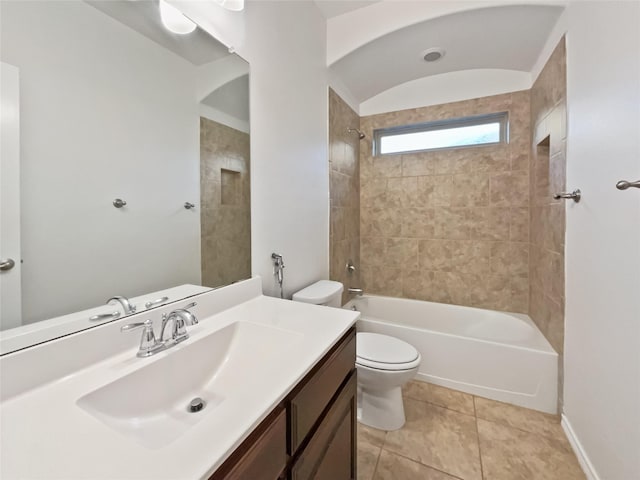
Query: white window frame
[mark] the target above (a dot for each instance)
(501, 117)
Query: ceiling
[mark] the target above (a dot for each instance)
(507, 37)
(143, 16)
(232, 98)
(333, 8)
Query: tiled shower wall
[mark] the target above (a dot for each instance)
(344, 150)
(225, 214)
(451, 225)
(547, 221)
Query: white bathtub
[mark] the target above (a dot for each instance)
(502, 356)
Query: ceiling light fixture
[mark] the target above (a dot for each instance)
(174, 20)
(234, 5)
(433, 54)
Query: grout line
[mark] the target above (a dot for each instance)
(441, 406)
(421, 463)
(478, 436)
(529, 432)
(375, 467)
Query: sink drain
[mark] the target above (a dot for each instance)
(196, 405)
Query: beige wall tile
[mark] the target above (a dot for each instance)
(510, 258)
(416, 164)
(224, 212)
(470, 191)
(382, 280)
(373, 250)
(387, 166)
(547, 219)
(510, 189)
(417, 222)
(451, 223)
(418, 284)
(452, 203)
(402, 252)
(373, 192)
(455, 256)
(383, 222)
(434, 191)
(519, 224)
(488, 223)
(345, 194)
(402, 192)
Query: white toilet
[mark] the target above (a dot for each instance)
(383, 363)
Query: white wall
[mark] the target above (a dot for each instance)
(105, 113)
(602, 339)
(446, 88)
(284, 43)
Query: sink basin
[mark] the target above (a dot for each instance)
(150, 405)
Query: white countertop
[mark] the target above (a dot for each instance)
(45, 434)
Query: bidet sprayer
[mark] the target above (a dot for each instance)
(278, 271)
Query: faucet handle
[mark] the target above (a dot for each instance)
(148, 343)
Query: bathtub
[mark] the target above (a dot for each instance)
(497, 355)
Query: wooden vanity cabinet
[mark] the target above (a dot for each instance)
(312, 434)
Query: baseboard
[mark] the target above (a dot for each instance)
(582, 456)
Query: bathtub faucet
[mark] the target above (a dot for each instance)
(355, 291)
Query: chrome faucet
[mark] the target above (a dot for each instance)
(127, 306)
(150, 344)
(355, 291)
(180, 318)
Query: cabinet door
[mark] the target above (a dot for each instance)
(337, 462)
(308, 404)
(262, 457)
(331, 452)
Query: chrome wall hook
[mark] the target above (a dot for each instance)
(624, 184)
(119, 203)
(189, 205)
(575, 195)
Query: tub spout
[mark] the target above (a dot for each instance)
(355, 291)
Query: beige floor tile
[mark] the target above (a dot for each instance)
(512, 454)
(367, 459)
(438, 437)
(394, 467)
(441, 396)
(521, 418)
(370, 435)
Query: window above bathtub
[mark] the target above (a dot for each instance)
(463, 132)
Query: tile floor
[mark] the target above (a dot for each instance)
(453, 435)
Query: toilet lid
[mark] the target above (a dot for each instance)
(383, 349)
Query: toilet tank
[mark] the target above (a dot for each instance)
(324, 292)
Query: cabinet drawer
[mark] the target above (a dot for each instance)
(262, 456)
(330, 454)
(314, 396)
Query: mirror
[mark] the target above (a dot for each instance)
(133, 165)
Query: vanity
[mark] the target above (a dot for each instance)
(277, 379)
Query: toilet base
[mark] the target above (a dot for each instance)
(381, 409)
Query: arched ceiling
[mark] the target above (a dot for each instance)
(505, 37)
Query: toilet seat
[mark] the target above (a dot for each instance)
(383, 352)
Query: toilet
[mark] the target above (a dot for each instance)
(384, 364)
